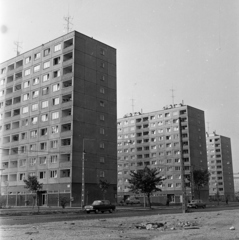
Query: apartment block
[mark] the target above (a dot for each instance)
(220, 166)
(154, 140)
(58, 106)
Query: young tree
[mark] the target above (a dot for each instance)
(104, 185)
(33, 185)
(201, 179)
(145, 181)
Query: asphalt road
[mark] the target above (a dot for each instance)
(79, 215)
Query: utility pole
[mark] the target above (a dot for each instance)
(172, 90)
(182, 168)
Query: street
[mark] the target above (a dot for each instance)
(77, 214)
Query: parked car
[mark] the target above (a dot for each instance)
(197, 203)
(100, 206)
(132, 200)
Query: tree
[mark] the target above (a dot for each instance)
(33, 185)
(145, 181)
(201, 179)
(104, 185)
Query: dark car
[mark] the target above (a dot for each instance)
(197, 203)
(132, 200)
(100, 206)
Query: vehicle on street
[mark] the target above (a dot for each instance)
(197, 203)
(100, 206)
(132, 200)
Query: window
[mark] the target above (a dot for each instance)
(102, 145)
(3, 70)
(45, 90)
(102, 104)
(35, 107)
(43, 146)
(44, 104)
(46, 77)
(102, 90)
(43, 131)
(56, 73)
(32, 161)
(177, 168)
(42, 175)
(21, 176)
(33, 133)
(56, 60)
(27, 72)
(56, 87)
(33, 147)
(55, 101)
(54, 129)
(25, 122)
(66, 142)
(53, 159)
(44, 117)
(35, 94)
(46, 52)
(28, 59)
(26, 96)
(26, 84)
(54, 144)
(57, 47)
(53, 174)
(22, 162)
(42, 160)
(46, 64)
(37, 56)
(25, 109)
(102, 131)
(35, 81)
(102, 51)
(2, 82)
(102, 174)
(34, 120)
(36, 68)
(55, 115)
(102, 159)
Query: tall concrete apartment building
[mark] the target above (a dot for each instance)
(220, 166)
(58, 107)
(153, 139)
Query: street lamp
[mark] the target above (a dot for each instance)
(83, 173)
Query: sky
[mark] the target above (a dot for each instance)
(190, 46)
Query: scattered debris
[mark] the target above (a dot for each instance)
(232, 228)
(177, 225)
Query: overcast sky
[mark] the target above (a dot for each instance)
(190, 46)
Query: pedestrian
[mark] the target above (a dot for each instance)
(226, 200)
(167, 202)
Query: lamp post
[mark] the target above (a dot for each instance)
(83, 173)
(1, 169)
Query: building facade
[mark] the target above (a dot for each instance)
(58, 107)
(220, 166)
(153, 139)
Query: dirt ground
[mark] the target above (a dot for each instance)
(201, 226)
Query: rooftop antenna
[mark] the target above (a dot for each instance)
(17, 49)
(68, 20)
(172, 95)
(132, 104)
(208, 127)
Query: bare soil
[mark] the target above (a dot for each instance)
(201, 226)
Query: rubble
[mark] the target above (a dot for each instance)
(176, 225)
(232, 228)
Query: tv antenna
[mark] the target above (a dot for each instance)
(68, 20)
(17, 48)
(172, 90)
(208, 127)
